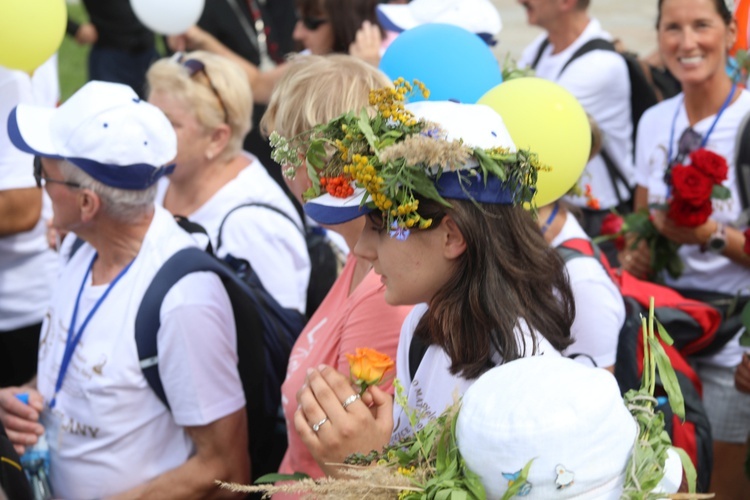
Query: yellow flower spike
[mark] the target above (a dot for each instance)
(425, 223)
(409, 222)
(393, 213)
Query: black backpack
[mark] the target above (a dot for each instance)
(266, 333)
(13, 481)
(642, 96)
(742, 166)
(323, 261)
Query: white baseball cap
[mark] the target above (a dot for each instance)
(105, 129)
(568, 419)
(478, 16)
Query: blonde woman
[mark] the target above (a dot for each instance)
(354, 314)
(209, 103)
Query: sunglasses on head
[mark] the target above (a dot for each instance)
(40, 176)
(689, 141)
(193, 67)
(312, 23)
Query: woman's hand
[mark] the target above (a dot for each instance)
(367, 43)
(742, 375)
(341, 431)
(636, 261)
(681, 234)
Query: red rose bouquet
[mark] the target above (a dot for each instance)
(695, 185)
(663, 251)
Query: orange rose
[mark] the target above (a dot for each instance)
(368, 366)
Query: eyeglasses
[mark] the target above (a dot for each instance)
(312, 23)
(41, 176)
(194, 66)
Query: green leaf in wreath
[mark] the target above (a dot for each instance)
(364, 126)
(668, 378)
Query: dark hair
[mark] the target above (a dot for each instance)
(582, 4)
(721, 8)
(345, 16)
(508, 275)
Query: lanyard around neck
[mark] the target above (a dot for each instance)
(72, 342)
(551, 218)
(704, 140)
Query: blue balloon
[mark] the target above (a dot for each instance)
(452, 62)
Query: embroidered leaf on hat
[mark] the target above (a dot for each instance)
(520, 485)
(721, 192)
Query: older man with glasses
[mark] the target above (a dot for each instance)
(99, 156)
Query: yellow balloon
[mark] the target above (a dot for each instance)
(30, 32)
(545, 118)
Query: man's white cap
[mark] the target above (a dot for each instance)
(105, 129)
(478, 16)
(567, 418)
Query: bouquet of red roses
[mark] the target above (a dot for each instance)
(663, 250)
(694, 186)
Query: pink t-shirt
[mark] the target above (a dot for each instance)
(341, 324)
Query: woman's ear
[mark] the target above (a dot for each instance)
(454, 244)
(220, 138)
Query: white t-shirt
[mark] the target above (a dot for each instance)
(600, 311)
(702, 270)
(27, 265)
(272, 244)
(600, 82)
(108, 431)
(434, 388)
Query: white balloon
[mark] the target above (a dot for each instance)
(168, 17)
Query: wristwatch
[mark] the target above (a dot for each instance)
(717, 242)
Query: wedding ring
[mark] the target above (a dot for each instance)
(350, 400)
(316, 427)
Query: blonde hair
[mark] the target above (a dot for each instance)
(230, 83)
(316, 89)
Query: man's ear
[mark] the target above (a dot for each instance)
(454, 243)
(89, 204)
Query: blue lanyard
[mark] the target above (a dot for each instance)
(551, 218)
(704, 140)
(71, 343)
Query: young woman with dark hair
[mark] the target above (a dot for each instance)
(453, 238)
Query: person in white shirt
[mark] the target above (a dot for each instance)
(599, 80)
(27, 264)
(101, 154)
(694, 38)
(208, 101)
(491, 290)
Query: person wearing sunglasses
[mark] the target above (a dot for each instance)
(322, 27)
(694, 38)
(209, 103)
(101, 154)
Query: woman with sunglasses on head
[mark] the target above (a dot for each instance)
(208, 102)
(323, 27)
(694, 38)
(454, 239)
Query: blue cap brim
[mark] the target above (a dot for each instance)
(330, 210)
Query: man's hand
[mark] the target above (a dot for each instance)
(21, 421)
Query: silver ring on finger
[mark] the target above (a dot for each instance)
(316, 427)
(351, 399)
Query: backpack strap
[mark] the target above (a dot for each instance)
(302, 229)
(538, 57)
(615, 175)
(582, 247)
(591, 45)
(148, 322)
(742, 166)
(417, 350)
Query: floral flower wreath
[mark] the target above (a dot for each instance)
(398, 158)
